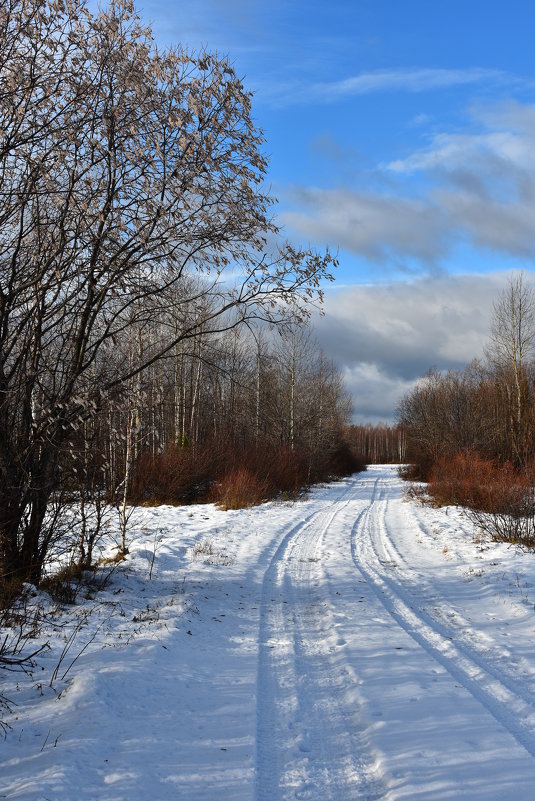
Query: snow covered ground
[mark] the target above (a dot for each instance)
(351, 646)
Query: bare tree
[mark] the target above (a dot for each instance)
(511, 347)
(123, 170)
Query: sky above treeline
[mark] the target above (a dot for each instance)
(402, 136)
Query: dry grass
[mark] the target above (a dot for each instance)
(210, 555)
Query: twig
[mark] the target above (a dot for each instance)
(91, 639)
(67, 647)
(45, 742)
(157, 540)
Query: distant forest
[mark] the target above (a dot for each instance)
(377, 444)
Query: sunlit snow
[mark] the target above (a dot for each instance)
(354, 645)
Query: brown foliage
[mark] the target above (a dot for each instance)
(499, 498)
(177, 475)
(233, 475)
(240, 488)
(466, 479)
(342, 461)
(419, 468)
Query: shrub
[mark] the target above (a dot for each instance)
(177, 475)
(229, 472)
(506, 526)
(500, 500)
(465, 479)
(64, 585)
(417, 470)
(469, 480)
(240, 488)
(10, 591)
(342, 461)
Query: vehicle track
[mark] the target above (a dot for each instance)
(512, 706)
(311, 732)
(439, 613)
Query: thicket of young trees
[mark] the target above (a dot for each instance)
(377, 444)
(134, 231)
(471, 433)
(249, 413)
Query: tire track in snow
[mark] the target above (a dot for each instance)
(505, 703)
(311, 743)
(407, 578)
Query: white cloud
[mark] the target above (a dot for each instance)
(455, 151)
(373, 225)
(475, 187)
(384, 337)
(405, 80)
(505, 141)
(409, 80)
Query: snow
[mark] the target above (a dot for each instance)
(354, 645)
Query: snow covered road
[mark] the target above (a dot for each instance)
(351, 646)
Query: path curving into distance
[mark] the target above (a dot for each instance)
(375, 680)
(351, 646)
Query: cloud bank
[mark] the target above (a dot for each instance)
(379, 227)
(384, 337)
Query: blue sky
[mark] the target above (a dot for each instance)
(401, 134)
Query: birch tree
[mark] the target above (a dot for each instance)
(512, 345)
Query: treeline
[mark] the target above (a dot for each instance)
(265, 412)
(377, 444)
(471, 433)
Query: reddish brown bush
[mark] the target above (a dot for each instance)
(418, 469)
(238, 489)
(253, 475)
(464, 479)
(177, 475)
(499, 500)
(469, 480)
(342, 461)
(234, 474)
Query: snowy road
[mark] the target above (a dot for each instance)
(310, 742)
(379, 688)
(351, 646)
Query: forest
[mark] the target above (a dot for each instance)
(153, 322)
(470, 433)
